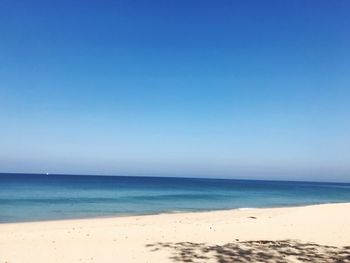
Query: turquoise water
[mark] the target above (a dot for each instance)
(28, 197)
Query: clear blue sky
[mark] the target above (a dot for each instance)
(243, 89)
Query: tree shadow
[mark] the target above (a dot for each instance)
(255, 251)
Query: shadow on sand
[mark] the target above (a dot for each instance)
(254, 251)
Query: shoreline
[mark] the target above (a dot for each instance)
(116, 216)
(169, 237)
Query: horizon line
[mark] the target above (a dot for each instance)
(179, 177)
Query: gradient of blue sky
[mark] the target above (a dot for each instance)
(245, 89)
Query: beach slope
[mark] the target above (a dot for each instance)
(320, 233)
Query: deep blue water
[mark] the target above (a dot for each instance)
(28, 197)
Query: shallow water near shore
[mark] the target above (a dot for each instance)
(34, 197)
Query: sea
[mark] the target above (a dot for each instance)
(37, 197)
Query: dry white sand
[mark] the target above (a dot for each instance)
(156, 238)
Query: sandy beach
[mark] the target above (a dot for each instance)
(320, 233)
